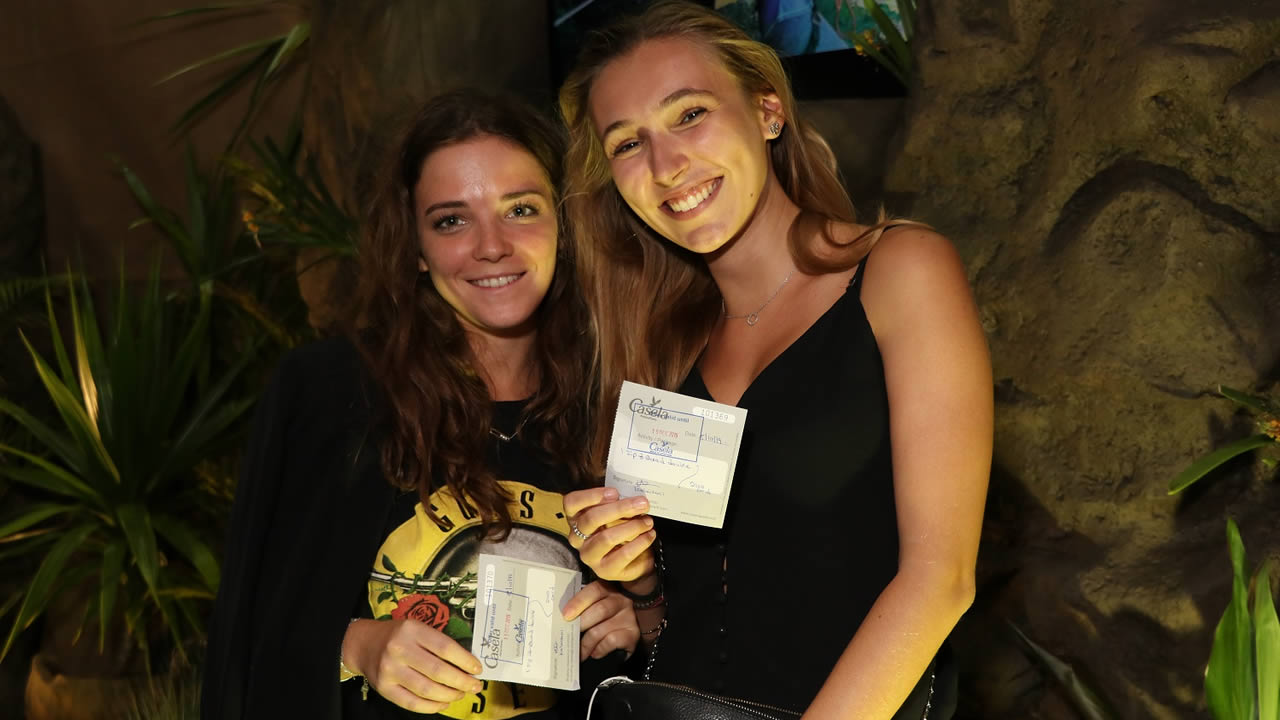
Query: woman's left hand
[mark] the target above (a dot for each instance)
(608, 620)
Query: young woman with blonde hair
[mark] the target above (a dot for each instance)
(721, 258)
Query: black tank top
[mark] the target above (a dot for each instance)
(811, 522)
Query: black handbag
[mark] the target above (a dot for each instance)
(621, 698)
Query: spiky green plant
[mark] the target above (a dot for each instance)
(119, 507)
(294, 208)
(220, 257)
(1267, 435)
(262, 62)
(894, 53)
(1242, 681)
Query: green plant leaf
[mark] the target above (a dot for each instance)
(191, 547)
(907, 11)
(46, 436)
(224, 55)
(1243, 399)
(197, 220)
(166, 220)
(55, 336)
(48, 476)
(1087, 701)
(109, 587)
(222, 90)
(73, 414)
(9, 604)
(48, 577)
(84, 335)
(202, 10)
(1229, 679)
(27, 548)
(298, 35)
(1267, 643)
(386, 563)
(30, 515)
(1206, 464)
(135, 523)
(899, 48)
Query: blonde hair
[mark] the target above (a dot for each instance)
(654, 304)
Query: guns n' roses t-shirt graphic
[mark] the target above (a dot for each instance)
(426, 570)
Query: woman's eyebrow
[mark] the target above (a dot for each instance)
(666, 102)
(521, 193)
(444, 205)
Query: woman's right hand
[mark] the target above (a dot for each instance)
(619, 534)
(410, 663)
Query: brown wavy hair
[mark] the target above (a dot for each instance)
(621, 259)
(435, 407)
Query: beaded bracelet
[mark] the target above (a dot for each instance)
(657, 630)
(345, 673)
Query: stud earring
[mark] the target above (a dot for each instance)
(775, 128)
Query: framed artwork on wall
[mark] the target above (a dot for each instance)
(819, 41)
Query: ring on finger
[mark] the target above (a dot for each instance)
(574, 527)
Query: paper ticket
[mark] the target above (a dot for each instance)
(520, 634)
(678, 451)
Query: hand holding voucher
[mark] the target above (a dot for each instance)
(520, 634)
(613, 535)
(410, 663)
(677, 451)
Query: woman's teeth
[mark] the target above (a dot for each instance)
(693, 199)
(497, 282)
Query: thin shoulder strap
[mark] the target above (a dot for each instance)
(855, 284)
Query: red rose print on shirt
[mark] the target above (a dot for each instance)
(428, 609)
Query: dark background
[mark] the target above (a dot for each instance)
(1107, 169)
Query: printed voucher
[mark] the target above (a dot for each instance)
(678, 451)
(520, 634)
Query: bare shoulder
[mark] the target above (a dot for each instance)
(913, 270)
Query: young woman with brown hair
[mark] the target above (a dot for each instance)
(849, 548)
(447, 424)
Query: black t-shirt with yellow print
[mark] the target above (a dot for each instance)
(426, 570)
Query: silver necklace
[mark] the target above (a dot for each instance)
(754, 317)
(514, 433)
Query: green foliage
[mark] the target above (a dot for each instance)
(220, 258)
(116, 502)
(889, 46)
(1242, 681)
(295, 210)
(1268, 421)
(1088, 703)
(262, 62)
(15, 292)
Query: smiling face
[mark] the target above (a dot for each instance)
(487, 233)
(687, 147)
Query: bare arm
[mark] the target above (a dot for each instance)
(938, 376)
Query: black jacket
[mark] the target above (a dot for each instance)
(309, 513)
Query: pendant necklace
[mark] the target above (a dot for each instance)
(754, 317)
(514, 433)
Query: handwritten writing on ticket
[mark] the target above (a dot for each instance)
(677, 451)
(520, 634)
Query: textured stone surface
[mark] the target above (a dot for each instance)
(1109, 170)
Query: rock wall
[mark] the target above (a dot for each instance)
(1110, 172)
